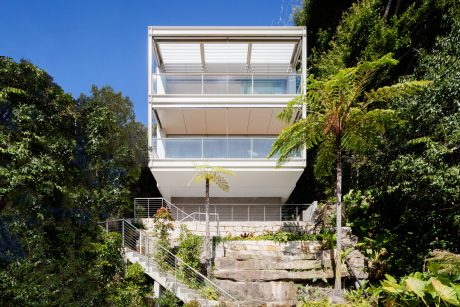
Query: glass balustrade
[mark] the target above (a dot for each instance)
(214, 148)
(208, 84)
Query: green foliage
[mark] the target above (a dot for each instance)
(364, 33)
(406, 189)
(163, 226)
(133, 288)
(113, 147)
(419, 288)
(167, 299)
(212, 174)
(189, 250)
(445, 264)
(106, 253)
(337, 114)
(209, 293)
(189, 247)
(60, 169)
(193, 303)
(417, 192)
(279, 236)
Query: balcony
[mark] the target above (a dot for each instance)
(226, 84)
(207, 148)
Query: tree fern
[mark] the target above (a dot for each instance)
(210, 174)
(338, 119)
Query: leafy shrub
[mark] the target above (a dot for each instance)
(132, 290)
(433, 287)
(163, 213)
(209, 293)
(189, 250)
(163, 225)
(167, 299)
(193, 303)
(189, 247)
(280, 236)
(138, 223)
(418, 288)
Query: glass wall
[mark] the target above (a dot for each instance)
(214, 148)
(207, 84)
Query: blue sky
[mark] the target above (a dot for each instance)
(104, 42)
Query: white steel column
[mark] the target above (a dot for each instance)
(150, 90)
(304, 78)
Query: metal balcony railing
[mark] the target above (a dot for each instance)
(146, 208)
(214, 148)
(226, 84)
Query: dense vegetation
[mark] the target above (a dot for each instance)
(402, 198)
(65, 164)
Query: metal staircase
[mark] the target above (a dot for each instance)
(165, 268)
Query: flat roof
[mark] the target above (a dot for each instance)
(161, 31)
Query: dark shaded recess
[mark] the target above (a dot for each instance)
(422, 36)
(307, 188)
(147, 184)
(322, 14)
(10, 245)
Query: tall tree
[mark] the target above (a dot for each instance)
(112, 148)
(210, 174)
(48, 210)
(339, 118)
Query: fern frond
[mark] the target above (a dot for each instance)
(325, 159)
(396, 90)
(288, 111)
(306, 132)
(213, 174)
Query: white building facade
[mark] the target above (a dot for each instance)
(213, 98)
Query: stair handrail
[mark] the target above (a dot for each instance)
(176, 259)
(164, 203)
(171, 205)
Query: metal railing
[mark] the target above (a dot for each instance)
(146, 208)
(160, 259)
(215, 148)
(226, 84)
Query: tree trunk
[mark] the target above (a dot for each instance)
(398, 4)
(387, 9)
(208, 239)
(338, 260)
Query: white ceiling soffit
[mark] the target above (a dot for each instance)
(173, 53)
(225, 53)
(272, 53)
(233, 121)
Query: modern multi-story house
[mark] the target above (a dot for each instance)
(213, 98)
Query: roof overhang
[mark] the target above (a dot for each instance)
(226, 48)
